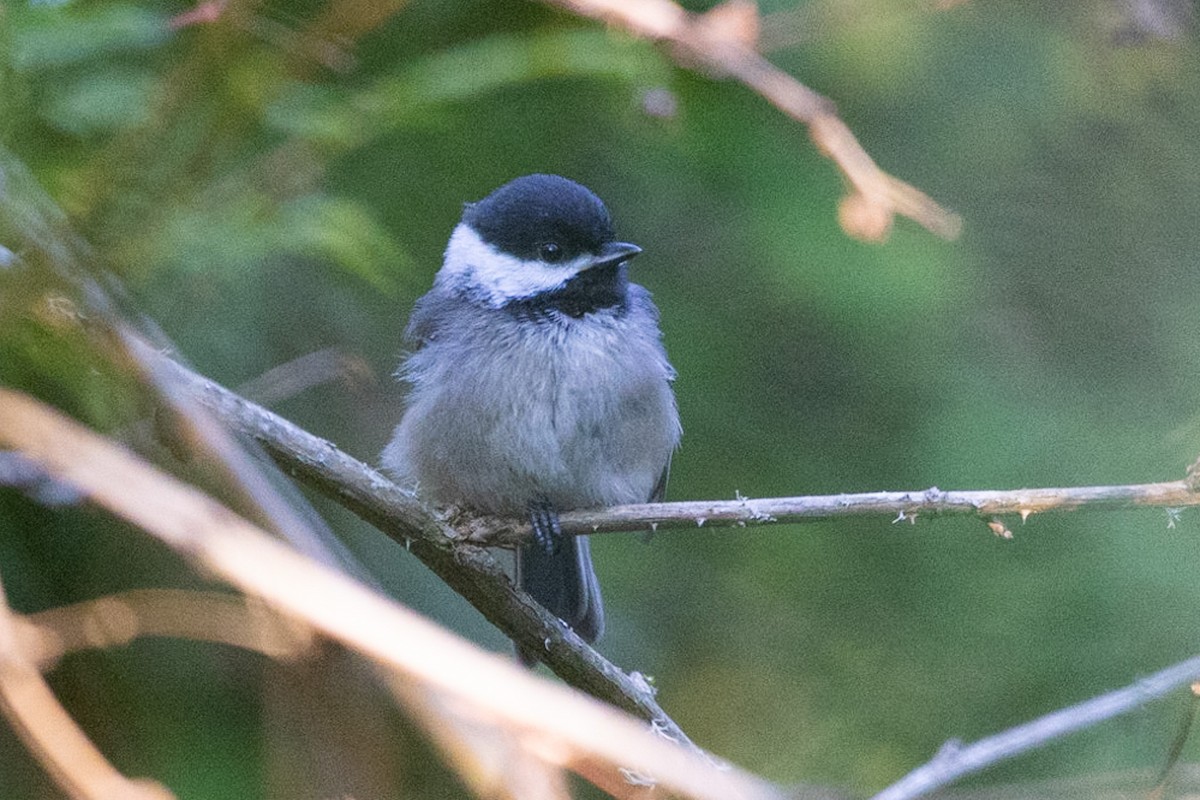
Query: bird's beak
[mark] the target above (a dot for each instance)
(615, 253)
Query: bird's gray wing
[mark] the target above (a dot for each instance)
(427, 316)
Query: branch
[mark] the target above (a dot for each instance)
(560, 726)
(468, 568)
(50, 733)
(956, 760)
(745, 512)
(723, 40)
(453, 547)
(458, 556)
(465, 566)
(117, 619)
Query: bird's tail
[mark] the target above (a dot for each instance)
(563, 581)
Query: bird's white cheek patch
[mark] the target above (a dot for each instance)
(500, 277)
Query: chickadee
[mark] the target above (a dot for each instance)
(539, 382)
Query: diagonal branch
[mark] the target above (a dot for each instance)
(456, 556)
(722, 41)
(465, 566)
(561, 725)
(956, 760)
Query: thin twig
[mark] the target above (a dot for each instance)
(227, 547)
(956, 760)
(287, 380)
(898, 506)
(366, 492)
(1182, 735)
(722, 41)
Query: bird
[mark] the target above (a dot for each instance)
(538, 383)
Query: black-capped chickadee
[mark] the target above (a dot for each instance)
(539, 382)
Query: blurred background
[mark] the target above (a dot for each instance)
(282, 179)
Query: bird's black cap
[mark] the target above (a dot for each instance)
(529, 212)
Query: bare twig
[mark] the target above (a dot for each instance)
(956, 760)
(300, 374)
(898, 506)
(61, 746)
(364, 491)
(449, 546)
(1176, 750)
(224, 545)
(722, 41)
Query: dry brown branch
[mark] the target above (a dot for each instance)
(220, 618)
(55, 739)
(490, 759)
(723, 42)
(562, 727)
(485, 757)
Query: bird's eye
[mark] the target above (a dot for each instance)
(550, 252)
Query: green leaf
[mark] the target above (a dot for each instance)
(486, 65)
(460, 75)
(318, 114)
(100, 102)
(48, 37)
(345, 233)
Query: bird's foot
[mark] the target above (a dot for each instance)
(546, 530)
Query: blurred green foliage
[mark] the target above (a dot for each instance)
(283, 180)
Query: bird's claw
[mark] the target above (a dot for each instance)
(547, 531)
